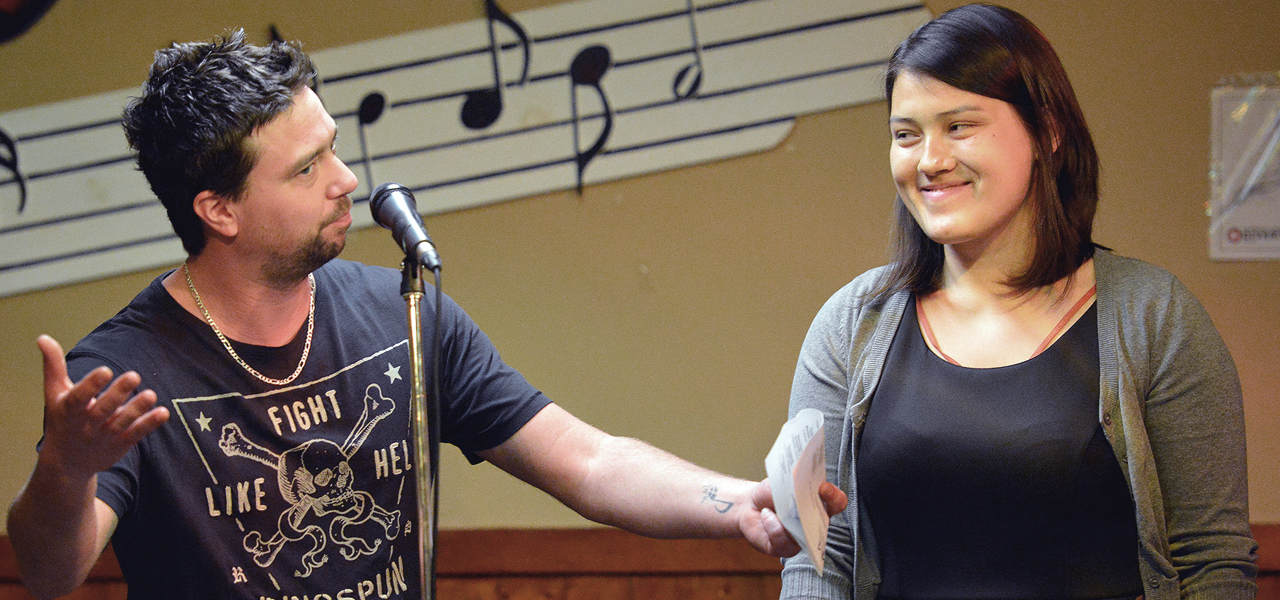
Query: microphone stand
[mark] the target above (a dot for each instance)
(426, 420)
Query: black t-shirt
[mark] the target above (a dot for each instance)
(252, 490)
(996, 483)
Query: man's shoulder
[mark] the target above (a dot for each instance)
(352, 271)
(152, 315)
(357, 281)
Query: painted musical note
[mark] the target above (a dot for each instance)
(9, 160)
(17, 16)
(483, 106)
(587, 69)
(370, 111)
(273, 34)
(761, 64)
(689, 79)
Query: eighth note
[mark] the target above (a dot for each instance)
(276, 37)
(588, 68)
(9, 160)
(689, 79)
(371, 108)
(483, 106)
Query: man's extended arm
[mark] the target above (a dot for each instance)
(629, 484)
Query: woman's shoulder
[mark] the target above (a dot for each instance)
(1142, 297)
(1119, 266)
(862, 286)
(851, 306)
(1134, 278)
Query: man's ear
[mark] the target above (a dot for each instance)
(218, 213)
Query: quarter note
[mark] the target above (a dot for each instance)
(9, 160)
(689, 79)
(483, 106)
(371, 108)
(587, 69)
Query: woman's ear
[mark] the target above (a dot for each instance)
(1055, 131)
(219, 213)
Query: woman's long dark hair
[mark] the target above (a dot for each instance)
(996, 52)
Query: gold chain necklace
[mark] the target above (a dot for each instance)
(306, 348)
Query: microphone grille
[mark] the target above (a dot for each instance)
(384, 213)
(381, 193)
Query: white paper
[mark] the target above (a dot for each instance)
(797, 466)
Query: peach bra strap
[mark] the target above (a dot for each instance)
(1057, 329)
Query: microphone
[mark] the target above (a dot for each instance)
(394, 208)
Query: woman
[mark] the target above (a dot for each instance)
(1014, 411)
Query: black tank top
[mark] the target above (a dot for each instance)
(996, 483)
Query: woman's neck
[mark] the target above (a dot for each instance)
(979, 321)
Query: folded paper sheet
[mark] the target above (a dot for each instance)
(797, 466)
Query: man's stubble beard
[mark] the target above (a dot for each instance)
(288, 269)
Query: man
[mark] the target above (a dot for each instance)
(269, 456)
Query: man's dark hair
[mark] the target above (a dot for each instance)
(200, 104)
(996, 52)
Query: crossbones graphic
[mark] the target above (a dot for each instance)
(315, 478)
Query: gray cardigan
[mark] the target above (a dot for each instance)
(1170, 406)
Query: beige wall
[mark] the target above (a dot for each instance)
(670, 307)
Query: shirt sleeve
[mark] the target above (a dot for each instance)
(484, 400)
(1195, 424)
(822, 381)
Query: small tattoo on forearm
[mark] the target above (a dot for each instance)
(721, 506)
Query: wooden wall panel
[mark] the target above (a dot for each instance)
(587, 564)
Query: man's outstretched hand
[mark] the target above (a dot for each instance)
(90, 424)
(761, 526)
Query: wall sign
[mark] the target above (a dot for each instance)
(1244, 209)
(503, 107)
